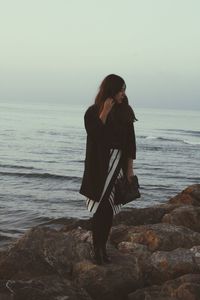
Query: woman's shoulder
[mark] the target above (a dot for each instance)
(131, 114)
(92, 109)
(129, 108)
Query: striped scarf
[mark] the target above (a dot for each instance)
(109, 186)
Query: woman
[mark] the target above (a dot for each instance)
(110, 151)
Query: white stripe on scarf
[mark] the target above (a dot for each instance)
(113, 162)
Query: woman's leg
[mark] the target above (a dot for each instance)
(101, 225)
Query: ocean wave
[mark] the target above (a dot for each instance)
(151, 137)
(41, 175)
(191, 143)
(4, 237)
(169, 139)
(183, 131)
(174, 140)
(176, 177)
(16, 167)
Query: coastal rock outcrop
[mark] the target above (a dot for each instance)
(157, 236)
(190, 196)
(186, 287)
(155, 255)
(186, 215)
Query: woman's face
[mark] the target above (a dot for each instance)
(120, 95)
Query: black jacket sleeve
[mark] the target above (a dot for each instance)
(131, 141)
(95, 128)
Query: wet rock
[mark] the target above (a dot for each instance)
(156, 237)
(150, 249)
(67, 224)
(189, 196)
(142, 216)
(186, 287)
(44, 251)
(111, 282)
(188, 216)
(42, 288)
(170, 264)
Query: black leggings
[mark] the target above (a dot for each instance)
(101, 223)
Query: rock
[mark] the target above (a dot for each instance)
(42, 288)
(67, 224)
(112, 282)
(189, 196)
(186, 287)
(150, 246)
(44, 251)
(156, 237)
(164, 265)
(187, 215)
(142, 216)
(5, 241)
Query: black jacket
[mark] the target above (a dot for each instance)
(98, 149)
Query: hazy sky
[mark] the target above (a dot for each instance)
(60, 50)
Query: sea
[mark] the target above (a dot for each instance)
(42, 153)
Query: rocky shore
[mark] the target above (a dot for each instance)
(155, 256)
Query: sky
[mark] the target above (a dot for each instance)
(60, 50)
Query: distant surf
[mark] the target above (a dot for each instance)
(41, 175)
(164, 139)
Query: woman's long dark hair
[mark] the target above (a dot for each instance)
(110, 86)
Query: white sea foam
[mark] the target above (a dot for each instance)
(151, 137)
(191, 143)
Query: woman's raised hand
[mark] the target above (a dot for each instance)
(107, 106)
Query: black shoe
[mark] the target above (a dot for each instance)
(107, 259)
(105, 256)
(98, 258)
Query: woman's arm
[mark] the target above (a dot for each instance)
(108, 104)
(130, 171)
(131, 142)
(131, 151)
